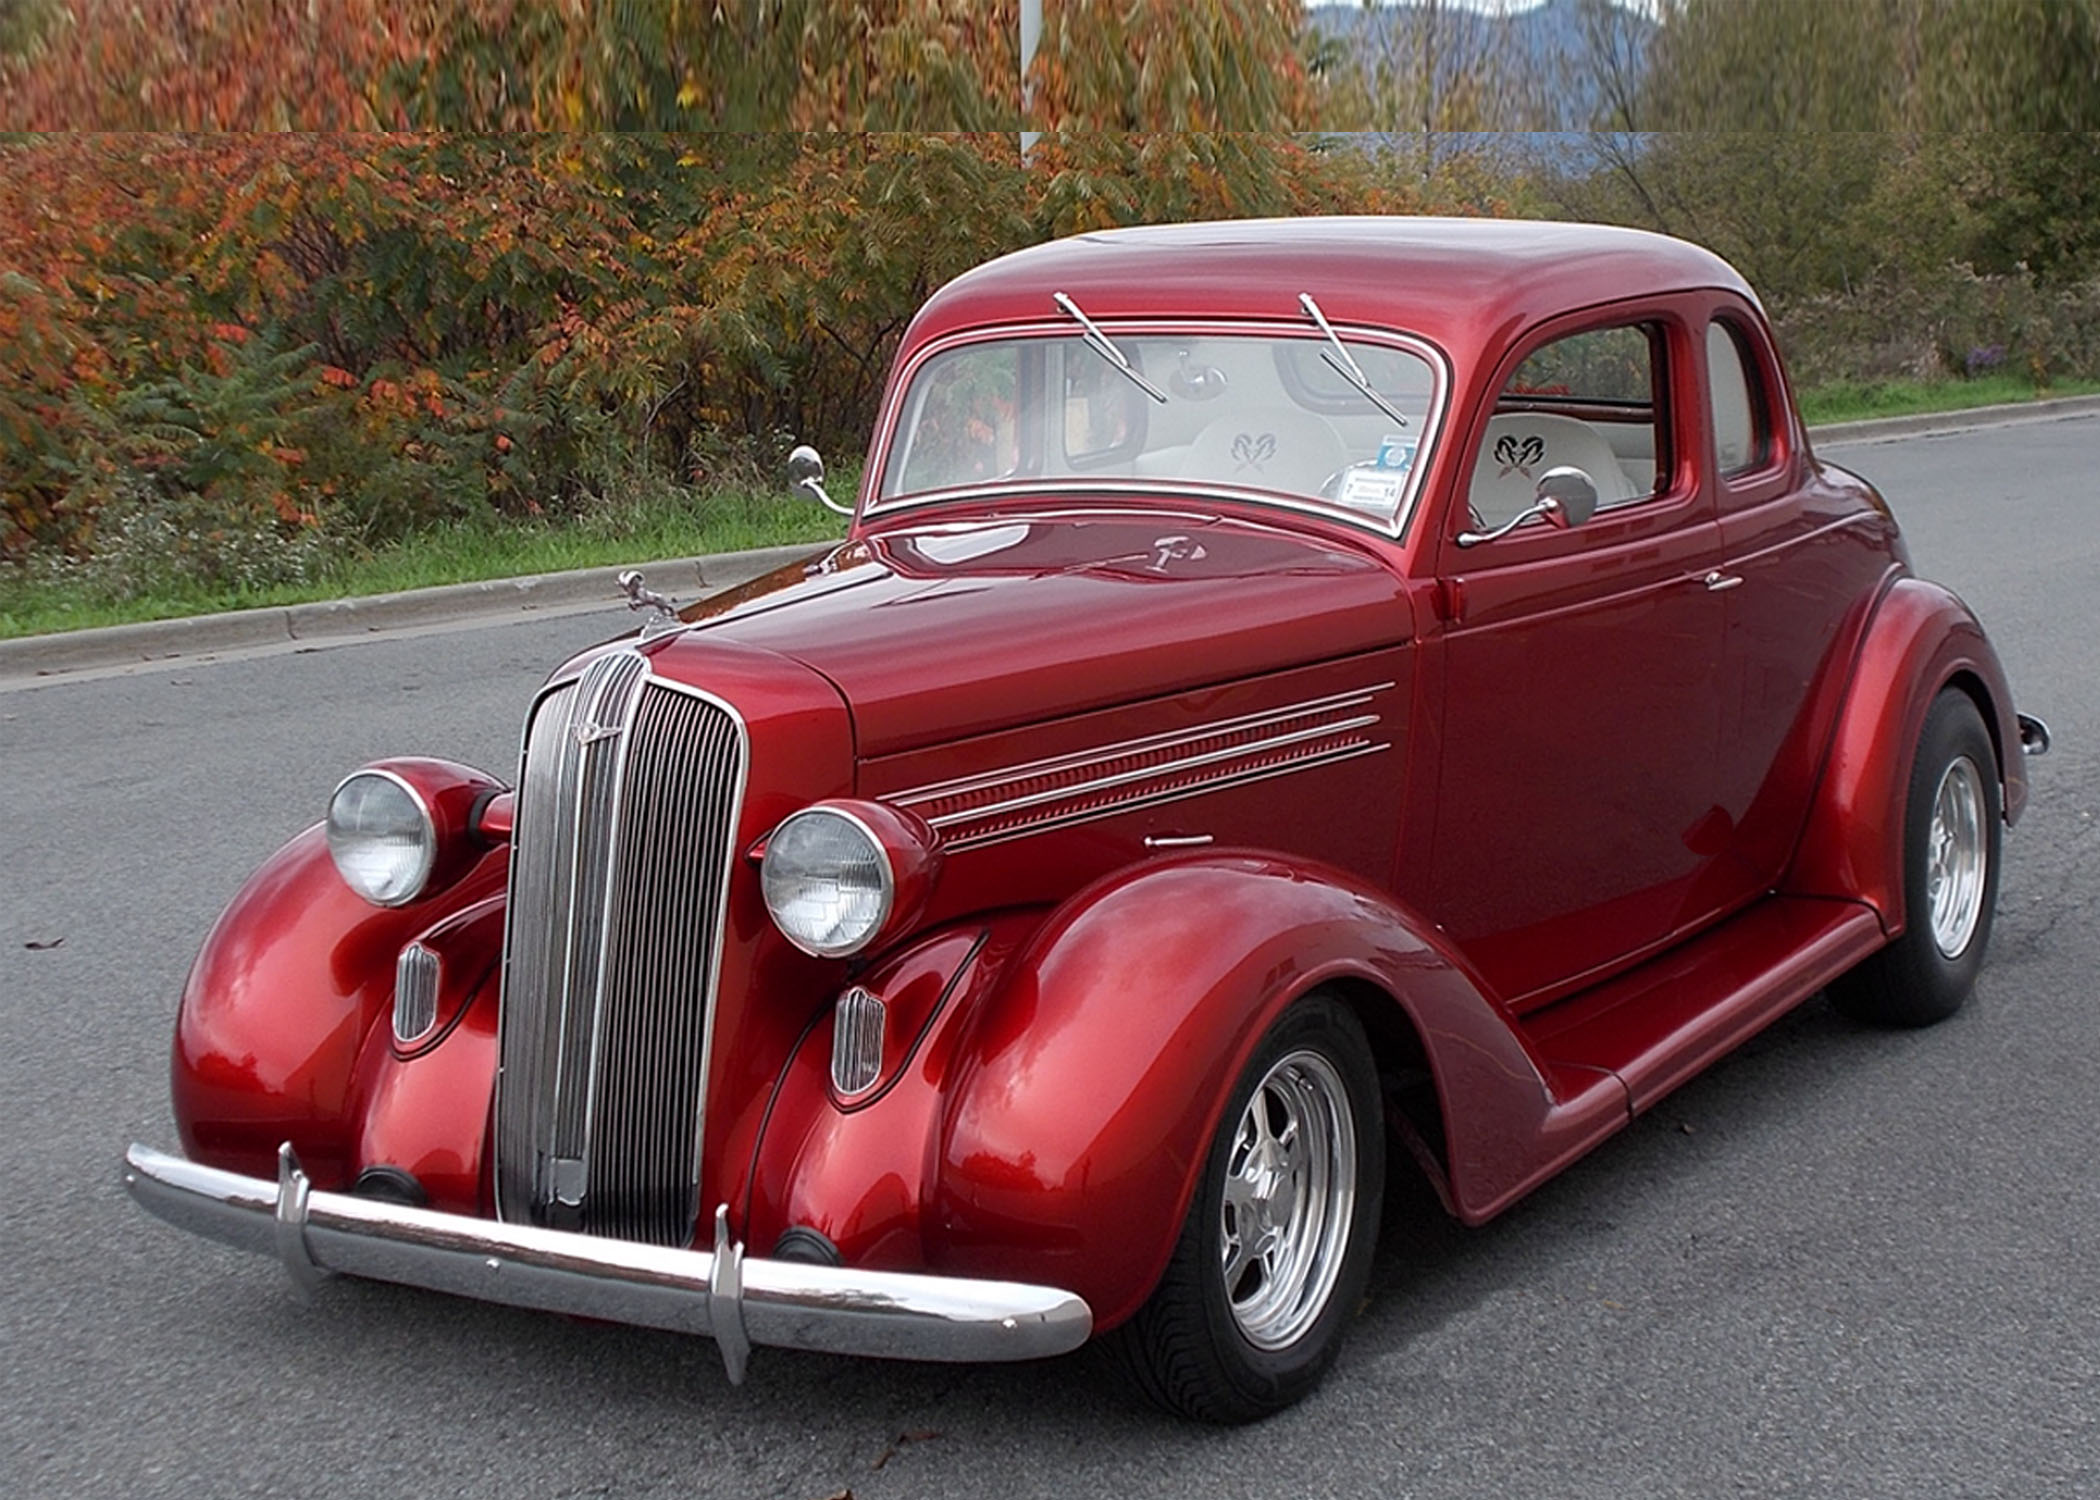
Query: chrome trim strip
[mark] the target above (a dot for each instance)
(786, 1304)
(1154, 773)
(415, 995)
(1081, 759)
(1166, 841)
(1175, 794)
(858, 1023)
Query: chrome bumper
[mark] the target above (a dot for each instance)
(735, 1300)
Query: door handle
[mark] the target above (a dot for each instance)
(1720, 583)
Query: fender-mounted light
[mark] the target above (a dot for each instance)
(843, 877)
(399, 829)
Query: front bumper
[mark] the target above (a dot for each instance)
(735, 1300)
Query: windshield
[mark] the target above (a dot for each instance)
(1275, 415)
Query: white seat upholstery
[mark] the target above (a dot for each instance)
(1522, 446)
(1268, 448)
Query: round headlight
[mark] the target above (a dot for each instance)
(828, 882)
(382, 838)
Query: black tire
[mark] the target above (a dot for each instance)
(1953, 818)
(1229, 1354)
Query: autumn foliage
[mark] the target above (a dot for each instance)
(232, 342)
(246, 340)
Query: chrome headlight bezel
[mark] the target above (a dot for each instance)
(384, 876)
(796, 868)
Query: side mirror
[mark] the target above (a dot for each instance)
(1567, 496)
(1573, 493)
(806, 478)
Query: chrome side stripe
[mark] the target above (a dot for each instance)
(1061, 790)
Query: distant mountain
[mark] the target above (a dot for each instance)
(1549, 43)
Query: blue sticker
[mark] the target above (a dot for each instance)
(1396, 451)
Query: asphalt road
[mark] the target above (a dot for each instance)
(1844, 1263)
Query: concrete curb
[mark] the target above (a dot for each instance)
(335, 620)
(580, 589)
(1881, 429)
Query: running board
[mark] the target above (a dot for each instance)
(1665, 1022)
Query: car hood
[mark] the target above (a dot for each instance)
(940, 632)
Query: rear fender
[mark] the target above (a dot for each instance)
(1920, 640)
(1052, 1126)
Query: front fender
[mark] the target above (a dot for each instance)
(279, 1004)
(1920, 640)
(1052, 1126)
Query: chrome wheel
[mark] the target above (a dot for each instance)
(1289, 1201)
(1957, 858)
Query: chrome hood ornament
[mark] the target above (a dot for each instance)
(664, 614)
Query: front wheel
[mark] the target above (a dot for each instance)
(1274, 1254)
(1951, 828)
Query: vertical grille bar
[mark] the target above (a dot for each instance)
(627, 812)
(677, 833)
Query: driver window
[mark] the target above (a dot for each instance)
(1588, 401)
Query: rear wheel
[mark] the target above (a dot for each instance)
(1274, 1254)
(1951, 830)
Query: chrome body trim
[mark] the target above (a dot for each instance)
(2034, 735)
(1082, 759)
(993, 807)
(415, 995)
(1160, 798)
(580, 961)
(858, 1022)
(737, 1300)
(1165, 841)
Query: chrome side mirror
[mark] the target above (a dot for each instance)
(806, 478)
(1567, 496)
(1573, 493)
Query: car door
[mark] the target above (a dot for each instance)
(1581, 689)
(1800, 563)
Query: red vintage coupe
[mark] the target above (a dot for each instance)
(1291, 690)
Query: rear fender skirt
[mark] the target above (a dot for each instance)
(1921, 639)
(1052, 1123)
(295, 977)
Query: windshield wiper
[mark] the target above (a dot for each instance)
(1099, 343)
(1339, 360)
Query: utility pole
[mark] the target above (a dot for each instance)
(1031, 33)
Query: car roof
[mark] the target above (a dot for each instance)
(1457, 282)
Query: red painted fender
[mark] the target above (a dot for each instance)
(1051, 1126)
(425, 1109)
(1921, 639)
(279, 1004)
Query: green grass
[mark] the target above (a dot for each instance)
(721, 522)
(1858, 400)
(689, 525)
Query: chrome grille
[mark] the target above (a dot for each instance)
(626, 822)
